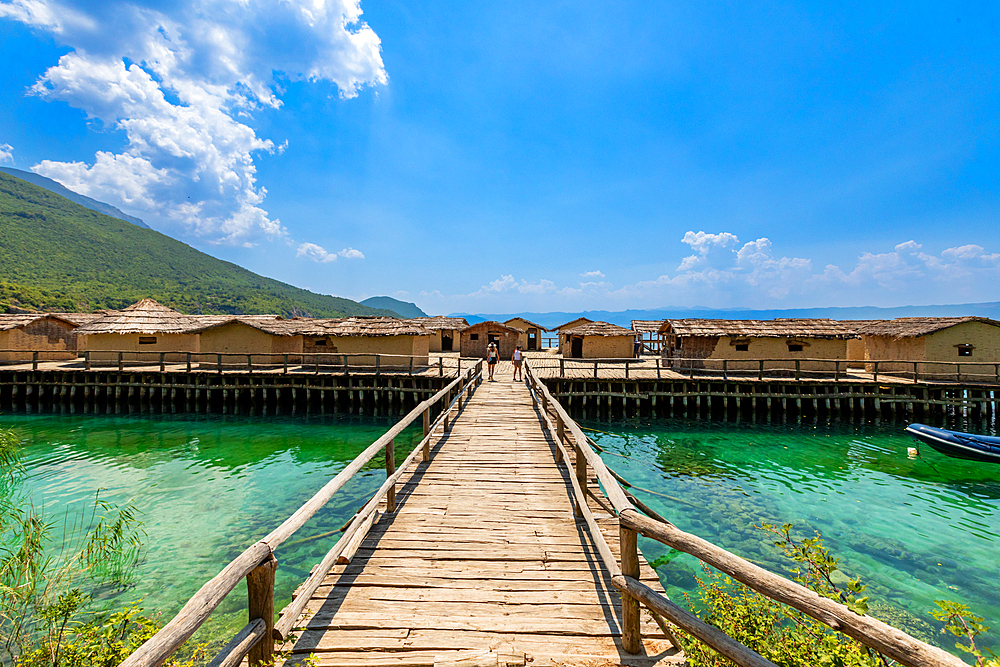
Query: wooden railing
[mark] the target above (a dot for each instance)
(297, 362)
(871, 632)
(258, 564)
(976, 372)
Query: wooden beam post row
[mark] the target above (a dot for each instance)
(260, 604)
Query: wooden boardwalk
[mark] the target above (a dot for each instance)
(482, 563)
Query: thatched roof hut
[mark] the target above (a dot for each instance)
(52, 335)
(649, 334)
(530, 337)
(367, 336)
(477, 337)
(144, 317)
(911, 327)
(597, 340)
(572, 323)
(781, 338)
(445, 331)
(930, 339)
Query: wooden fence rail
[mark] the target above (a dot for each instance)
(871, 632)
(311, 362)
(257, 564)
(977, 372)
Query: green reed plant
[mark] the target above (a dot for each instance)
(790, 638)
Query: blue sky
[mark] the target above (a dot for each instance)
(497, 157)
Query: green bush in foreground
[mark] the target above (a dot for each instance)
(790, 638)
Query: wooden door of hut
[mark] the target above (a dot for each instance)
(494, 338)
(576, 347)
(532, 339)
(447, 344)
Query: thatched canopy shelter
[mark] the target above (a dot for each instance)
(445, 331)
(649, 334)
(530, 337)
(597, 340)
(477, 337)
(52, 335)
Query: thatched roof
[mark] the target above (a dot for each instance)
(272, 324)
(647, 326)
(581, 320)
(528, 322)
(600, 329)
(492, 325)
(440, 322)
(910, 327)
(21, 320)
(144, 317)
(777, 328)
(361, 326)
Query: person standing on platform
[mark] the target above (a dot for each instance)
(637, 348)
(518, 359)
(492, 356)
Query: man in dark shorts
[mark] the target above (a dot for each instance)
(518, 359)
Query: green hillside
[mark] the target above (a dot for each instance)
(404, 308)
(57, 255)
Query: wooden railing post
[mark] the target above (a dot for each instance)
(836, 371)
(188, 361)
(427, 429)
(691, 367)
(284, 369)
(657, 368)
(162, 365)
(562, 368)
(631, 630)
(958, 372)
(440, 367)
(581, 475)
(595, 369)
(626, 369)
(121, 364)
(560, 436)
(760, 371)
(411, 365)
(875, 376)
(249, 365)
(916, 373)
(725, 369)
(218, 362)
(461, 393)
(86, 360)
(798, 368)
(378, 364)
(390, 468)
(260, 598)
(34, 360)
(346, 372)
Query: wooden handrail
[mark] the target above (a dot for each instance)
(157, 649)
(871, 632)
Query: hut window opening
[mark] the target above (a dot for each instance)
(742, 347)
(320, 342)
(147, 340)
(794, 347)
(964, 350)
(473, 336)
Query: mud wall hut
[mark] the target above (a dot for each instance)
(367, 336)
(735, 340)
(52, 335)
(266, 337)
(477, 337)
(530, 337)
(597, 340)
(445, 331)
(929, 340)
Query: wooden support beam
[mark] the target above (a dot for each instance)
(260, 602)
(390, 468)
(631, 631)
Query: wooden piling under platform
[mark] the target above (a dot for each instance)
(483, 561)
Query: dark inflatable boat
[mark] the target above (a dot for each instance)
(958, 444)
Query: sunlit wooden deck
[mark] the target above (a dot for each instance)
(482, 563)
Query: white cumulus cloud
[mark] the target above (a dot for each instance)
(181, 79)
(592, 274)
(6, 153)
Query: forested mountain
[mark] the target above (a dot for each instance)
(57, 255)
(404, 308)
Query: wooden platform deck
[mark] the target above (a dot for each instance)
(483, 562)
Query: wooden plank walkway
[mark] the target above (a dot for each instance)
(483, 563)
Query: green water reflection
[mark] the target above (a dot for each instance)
(207, 487)
(915, 530)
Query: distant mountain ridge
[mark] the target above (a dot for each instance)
(406, 309)
(82, 200)
(57, 255)
(624, 317)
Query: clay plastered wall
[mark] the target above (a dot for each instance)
(477, 348)
(99, 343)
(608, 347)
(403, 345)
(886, 347)
(984, 338)
(777, 348)
(236, 337)
(55, 340)
(435, 342)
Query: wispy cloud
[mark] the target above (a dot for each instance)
(722, 271)
(592, 274)
(6, 153)
(181, 79)
(317, 253)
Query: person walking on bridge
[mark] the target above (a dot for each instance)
(492, 356)
(518, 359)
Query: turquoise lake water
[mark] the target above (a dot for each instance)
(914, 530)
(207, 487)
